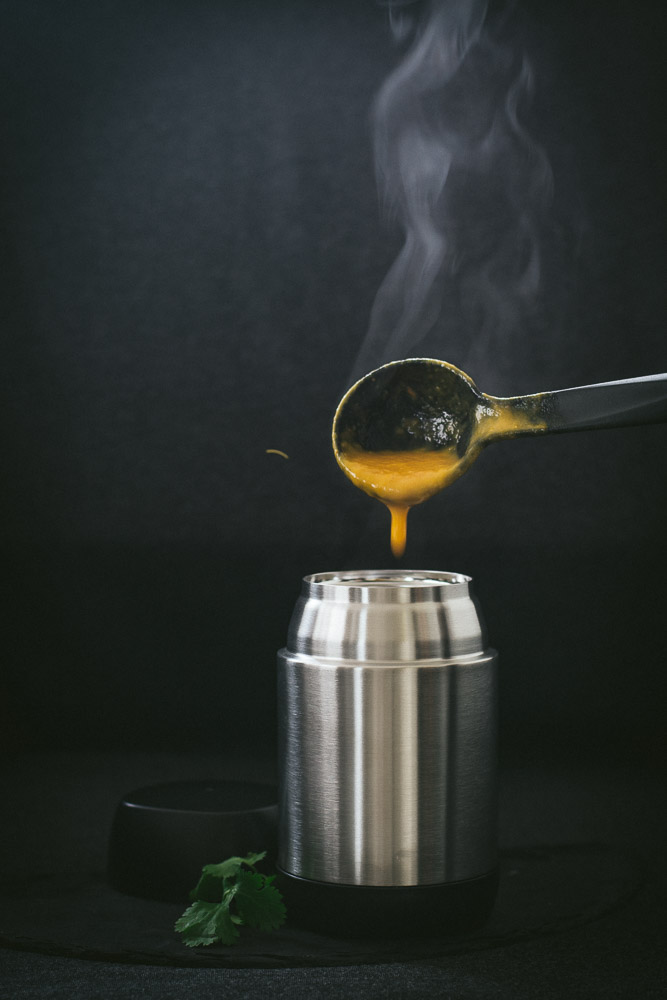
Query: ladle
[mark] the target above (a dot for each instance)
(408, 429)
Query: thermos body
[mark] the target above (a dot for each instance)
(387, 734)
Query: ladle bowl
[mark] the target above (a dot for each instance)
(406, 430)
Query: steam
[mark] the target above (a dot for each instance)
(466, 184)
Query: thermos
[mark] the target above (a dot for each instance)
(387, 706)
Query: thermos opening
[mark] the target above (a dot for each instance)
(391, 578)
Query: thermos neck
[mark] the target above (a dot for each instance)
(386, 616)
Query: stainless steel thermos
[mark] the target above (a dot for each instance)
(387, 755)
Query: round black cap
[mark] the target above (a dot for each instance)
(163, 835)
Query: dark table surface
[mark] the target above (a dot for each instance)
(57, 814)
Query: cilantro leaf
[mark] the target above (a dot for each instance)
(258, 902)
(209, 886)
(233, 865)
(209, 889)
(205, 923)
(226, 896)
(226, 926)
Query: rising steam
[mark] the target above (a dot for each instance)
(464, 181)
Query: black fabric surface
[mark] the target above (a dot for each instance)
(586, 921)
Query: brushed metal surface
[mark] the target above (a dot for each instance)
(386, 615)
(387, 762)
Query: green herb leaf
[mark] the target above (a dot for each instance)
(258, 902)
(228, 895)
(232, 866)
(210, 887)
(205, 923)
(226, 926)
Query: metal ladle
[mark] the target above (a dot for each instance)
(425, 404)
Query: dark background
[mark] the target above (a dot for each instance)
(191, 245)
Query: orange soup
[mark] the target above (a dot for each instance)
(401, 479)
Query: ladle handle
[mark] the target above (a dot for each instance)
(608, 404)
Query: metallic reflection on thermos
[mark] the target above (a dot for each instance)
(387, 719)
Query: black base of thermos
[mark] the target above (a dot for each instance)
(368, 911)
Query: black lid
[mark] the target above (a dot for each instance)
(162, 835)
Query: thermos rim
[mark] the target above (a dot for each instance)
(459, 661)
(383, 585)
